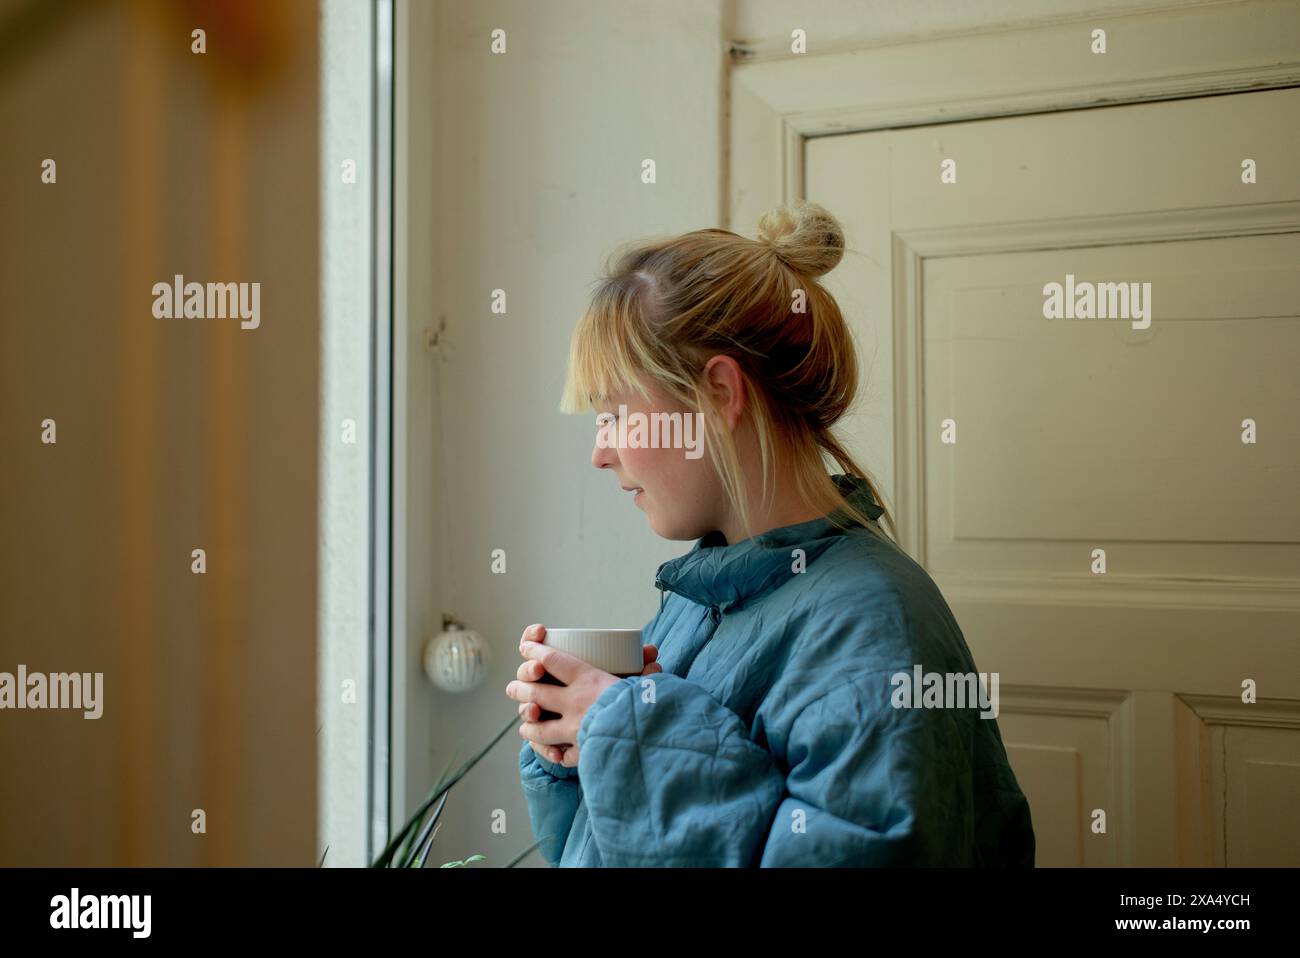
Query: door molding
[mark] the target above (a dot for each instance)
(776, 103)
(911, 248)
(1114, 710)
(1202, 771)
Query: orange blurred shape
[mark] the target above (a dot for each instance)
(247, 40)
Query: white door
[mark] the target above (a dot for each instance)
(1110, 505)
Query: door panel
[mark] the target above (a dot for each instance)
(1019, 450)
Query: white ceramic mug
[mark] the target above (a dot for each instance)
(617, 651)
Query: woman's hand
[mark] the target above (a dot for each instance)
(583, 683)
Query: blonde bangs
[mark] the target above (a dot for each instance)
(606, 354)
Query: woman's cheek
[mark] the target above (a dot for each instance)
(636, 462)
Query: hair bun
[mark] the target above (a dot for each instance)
(807, 238)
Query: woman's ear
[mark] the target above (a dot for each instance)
(726, 385)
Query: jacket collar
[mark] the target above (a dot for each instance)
(723, 576)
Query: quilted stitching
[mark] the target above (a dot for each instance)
(773, 710)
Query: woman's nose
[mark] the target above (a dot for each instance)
(603, 456)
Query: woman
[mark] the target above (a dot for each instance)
(768, 728)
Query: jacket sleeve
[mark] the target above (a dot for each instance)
(672, 778)
(551, 791)
(873, 785)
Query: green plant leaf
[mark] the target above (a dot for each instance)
(415, 828)
(422, 855)
(527, 851)
(407, 833)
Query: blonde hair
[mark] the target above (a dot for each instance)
(664, 307)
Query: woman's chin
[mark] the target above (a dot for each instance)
(679, 533)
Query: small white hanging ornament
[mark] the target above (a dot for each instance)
(456, 659)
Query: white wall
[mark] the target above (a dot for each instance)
(841, 24)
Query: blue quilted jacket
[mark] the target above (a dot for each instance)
(773, 737)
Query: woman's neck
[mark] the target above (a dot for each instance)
(785, 509)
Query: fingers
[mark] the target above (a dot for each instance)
(652, 668)
(544, 695)
(546, 733)
(549, 752)
(563, 666)
(648, 654)
(530, 670)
